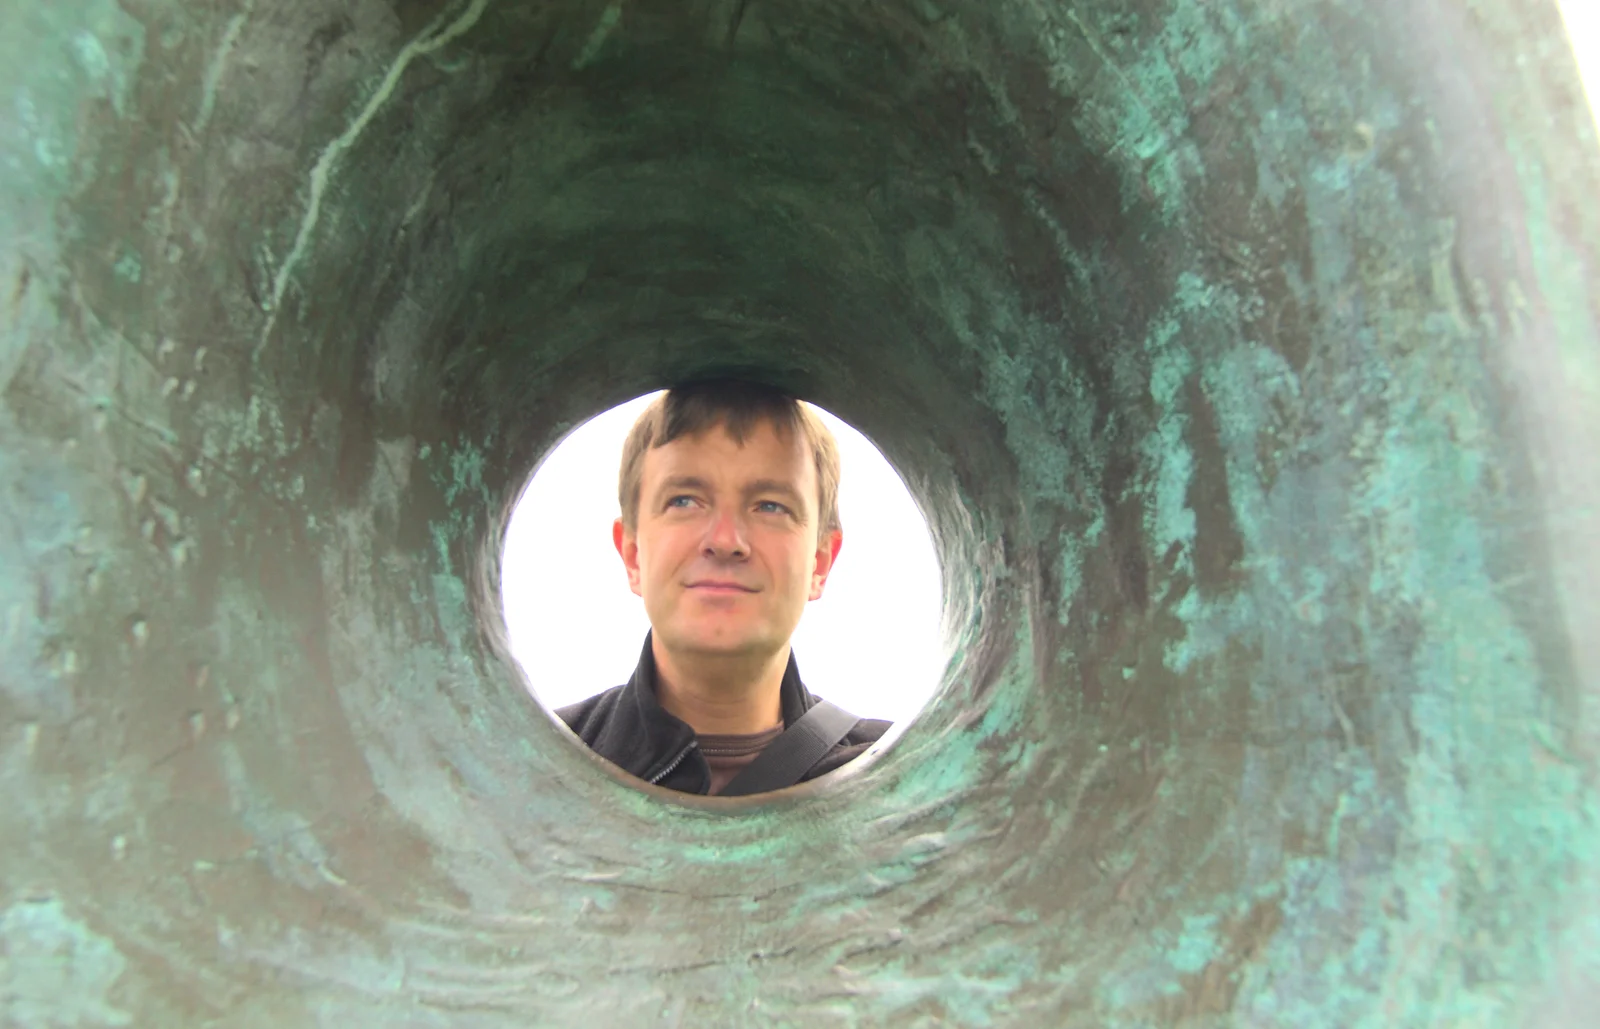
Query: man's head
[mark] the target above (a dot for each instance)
(729, 498)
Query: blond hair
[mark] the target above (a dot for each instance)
(738, 407)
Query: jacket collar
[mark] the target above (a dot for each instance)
(647, 738)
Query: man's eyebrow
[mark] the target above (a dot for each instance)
(772, 486)
(682, 482)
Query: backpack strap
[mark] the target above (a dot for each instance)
(795, 750)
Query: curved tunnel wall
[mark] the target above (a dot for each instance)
(1240, 354)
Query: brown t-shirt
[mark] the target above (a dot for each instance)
(727, 754)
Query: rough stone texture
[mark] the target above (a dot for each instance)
(1241, 353)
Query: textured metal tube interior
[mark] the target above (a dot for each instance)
(1242, 355)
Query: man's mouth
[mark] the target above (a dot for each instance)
(720, 586)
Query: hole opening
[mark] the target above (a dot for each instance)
(874, 643)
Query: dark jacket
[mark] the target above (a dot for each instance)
(626, 726)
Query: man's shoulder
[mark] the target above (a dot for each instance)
(856, 742)
(867, 730)
(586, 716)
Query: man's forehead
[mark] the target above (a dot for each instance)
(763, 454)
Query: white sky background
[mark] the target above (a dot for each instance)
(871, 644)
(1583, 28)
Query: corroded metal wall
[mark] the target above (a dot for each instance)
(1241, 353)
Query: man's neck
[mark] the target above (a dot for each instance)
(719, 695)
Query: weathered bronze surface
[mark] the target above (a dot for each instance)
(1242, 354)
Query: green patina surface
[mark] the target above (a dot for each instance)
(1241, 354)
(57, 971)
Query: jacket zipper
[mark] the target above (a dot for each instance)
(675, 763)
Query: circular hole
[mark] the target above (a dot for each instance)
(871, 643)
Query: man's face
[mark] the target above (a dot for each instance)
(726, 550)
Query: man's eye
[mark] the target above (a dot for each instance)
(772, 507)
(682, 500)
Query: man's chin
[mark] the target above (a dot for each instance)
(702, 643)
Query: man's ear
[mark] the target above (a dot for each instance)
(827, 554)
(627, 545)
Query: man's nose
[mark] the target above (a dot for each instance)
(725, 535)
